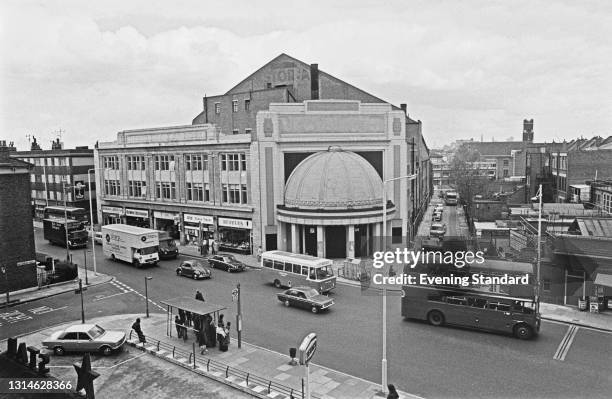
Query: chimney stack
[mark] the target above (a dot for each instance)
(404, 108)
(528, 130)
(314, 81)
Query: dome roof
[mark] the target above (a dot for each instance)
(336, 180)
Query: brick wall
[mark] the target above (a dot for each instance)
(581, 166)
(16, 242)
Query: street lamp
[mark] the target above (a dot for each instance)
(147, 293)
(93, 242)
(384, 295)
(539, 195)
(64, 187)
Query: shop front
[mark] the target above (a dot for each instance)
(235, 235)
(137, 217)
(112, 215)
(197, 228)
(167, 221)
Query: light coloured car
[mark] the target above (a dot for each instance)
(98, 237)
(85, 338)
(437, 230)
(436, 216)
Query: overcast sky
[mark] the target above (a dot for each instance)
(465, 68)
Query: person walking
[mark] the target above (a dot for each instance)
(214, 247)
(392, 392)
(136, 327)
(199, 296)
(179, 328)
(259, 252)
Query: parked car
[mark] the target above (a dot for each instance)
(85, 338)
(98, 237)
(193, 269)
(226, 262)
(436, 216)
(437, 230)
(439, 208)
(305, 297)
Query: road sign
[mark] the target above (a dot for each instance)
(307, 348)
(234, 294)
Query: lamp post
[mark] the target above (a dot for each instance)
(93, 243)
(384, 295)
(147, 278)
(5, 272)
(64, 187)
(539, 250)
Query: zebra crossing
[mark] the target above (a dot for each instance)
(125, 289)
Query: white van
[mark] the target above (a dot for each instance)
(131, 244)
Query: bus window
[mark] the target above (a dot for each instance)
(278, 265)
(297, 269)
(324, 272)
(311, 273)
(268, 263)
(502, 307)
(289, 267)
(304, 270)
(479, 303)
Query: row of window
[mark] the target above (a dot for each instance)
(49, 161)
(235, 106)
(53, 195)
(199, 192)
(50, 178)
(491, 304)
(231, 161)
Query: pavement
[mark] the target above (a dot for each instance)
(35, 293)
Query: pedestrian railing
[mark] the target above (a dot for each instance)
(203, 362)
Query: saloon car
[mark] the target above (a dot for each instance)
(305, 297)
(226, 262)
(437, 230)
(85, 338)
(193, 269)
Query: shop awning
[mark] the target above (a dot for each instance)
(193, 305)
(603, 279)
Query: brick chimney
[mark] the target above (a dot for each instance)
(404, 108)
(5, 150)
(528, 130)
(314, 81)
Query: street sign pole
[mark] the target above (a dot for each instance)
(82, 305)
(239, 318)
(308, 380)
(85, 264)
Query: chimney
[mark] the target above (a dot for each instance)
(5, 150)
(314, 81)
(35, 146)
(56, 145)
(528, 130)
(404, 108)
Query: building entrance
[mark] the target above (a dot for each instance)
(310, 241)
(335, 242)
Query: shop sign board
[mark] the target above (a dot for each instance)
(113, 209)
(236, 223)
(164, 215)
(189, 218)
(137, 213)
(307, 348)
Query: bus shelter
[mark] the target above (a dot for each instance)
(191, 305)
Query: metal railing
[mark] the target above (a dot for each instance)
(196, 360)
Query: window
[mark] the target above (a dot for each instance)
(247, 105)
(135, 163)
(193, 162)
(506, 162)
(396, 235)
(217, 108)
(235, 131)
(195, 192)
(289, 267)
(506, 173)
(248, 130)
(233, 161)
(136, 188)
(33, 178)
(111, 162)
(235, 106)
(164, 162)
(71, 335)
(546, 284)
(268, 263)
(243, 194)
(165, 190)
(243, 164)
(304, 270)
(278, 265)
(206, 192)
(234, 193)
(112, 187)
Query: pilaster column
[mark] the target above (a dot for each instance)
(295, 238)
(350, 241)
(321, 241)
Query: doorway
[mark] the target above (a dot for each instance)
(335, 242)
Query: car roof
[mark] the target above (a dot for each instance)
(301, 288)
(437, 225)
(80, 328)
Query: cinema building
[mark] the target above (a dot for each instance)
(291, 158)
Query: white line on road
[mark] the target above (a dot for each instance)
(44, 309)
(108, 296)
(566, 343)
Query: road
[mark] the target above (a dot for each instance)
(424, 360)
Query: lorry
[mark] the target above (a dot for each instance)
(54, 230)
(135, 245)
(167, 246)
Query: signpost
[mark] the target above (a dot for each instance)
(306, 351)
(236, 297)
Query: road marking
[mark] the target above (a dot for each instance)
(14, 317)
(44, 309)
(108, 296)
(566, 343)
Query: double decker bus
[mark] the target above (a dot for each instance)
(286, 269)
(441, 305)
(450, 198)
(57, 212)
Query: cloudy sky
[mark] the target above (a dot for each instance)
(465, 68)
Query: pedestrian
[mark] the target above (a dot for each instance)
(211, 333)
(202, 341)
(205, 248)
(392, 392)
(179, 328)
(225, 338)
(188, 318)
(214, 247)
(182, 314)
(259, 252)
(136, 327)
(199, 296)
(221, 321)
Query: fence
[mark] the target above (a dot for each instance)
(211, 365)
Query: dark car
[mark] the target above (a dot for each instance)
(305, 297)
(193, 269)
(226, 262)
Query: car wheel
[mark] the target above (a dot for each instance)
(178, 272)
(277, 284)
(287, 303)
(106, 350)
(113, 257)
(435, 318)
(194, 276)
(523, 331)
(136, 263)
(59, 351)
(314, 309)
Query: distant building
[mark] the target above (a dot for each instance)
(57, 165)
(17, 251)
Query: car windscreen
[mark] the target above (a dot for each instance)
(167, 244)
(311, 293)
(95, 332)
(148, 250)
(324, 272)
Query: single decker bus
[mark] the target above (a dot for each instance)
(286, 269)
